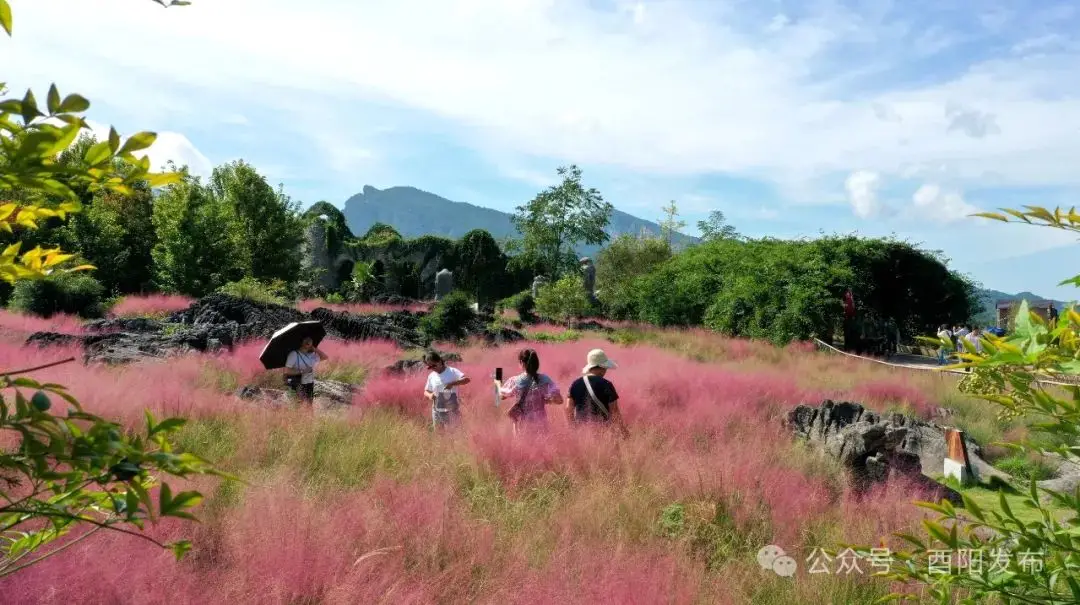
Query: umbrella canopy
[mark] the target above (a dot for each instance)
(287, 340)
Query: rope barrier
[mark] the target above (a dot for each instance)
(923, 367)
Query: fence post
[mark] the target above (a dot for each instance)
(957, 462)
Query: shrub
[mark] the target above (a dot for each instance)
(618, 267)
(522, 302)
(255, 290)
(448, 318)
(80, 295)
(564, 300)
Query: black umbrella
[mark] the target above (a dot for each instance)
(287, 340)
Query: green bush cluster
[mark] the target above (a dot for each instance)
(249, 288)
(76, 294)
(522, 302)
(448, 317)
(782, 290)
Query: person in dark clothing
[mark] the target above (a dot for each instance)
(593, 398)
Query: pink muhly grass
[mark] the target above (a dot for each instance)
(150, 305)
(23, 325)
(881, 394)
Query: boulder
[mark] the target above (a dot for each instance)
(329, 395)
(873, 447)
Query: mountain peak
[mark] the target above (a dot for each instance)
(414, 212)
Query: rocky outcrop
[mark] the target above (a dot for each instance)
(221, 321)
(410, 366)
(129, 347)
(329, 395)
(874, 447)
(244, 318)
(401, 327)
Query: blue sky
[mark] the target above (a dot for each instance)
(793, 118)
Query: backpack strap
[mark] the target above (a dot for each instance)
(592, 395)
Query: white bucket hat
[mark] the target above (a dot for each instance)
(598, 359)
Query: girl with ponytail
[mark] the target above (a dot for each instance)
(533, 392)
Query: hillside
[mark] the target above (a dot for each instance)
(990, 298)
(414, 213)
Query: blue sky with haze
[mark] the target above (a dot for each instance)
(793, 118)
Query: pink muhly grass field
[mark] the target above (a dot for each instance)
(151, 305)
(476, 514)
(20, 325)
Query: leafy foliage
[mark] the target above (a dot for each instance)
(522, 302)
(564, 300)
(620, 265)
(75, 471)
(781, 290)
(449, 317)
(1009, 371)
(559, 218)
(337, 228)
(275, 292)
(80, 295)
(199, 248)
(481, 265)
(670, 224)
(269, 222)
(716, 227)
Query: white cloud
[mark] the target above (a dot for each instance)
(935, 203)
(862, 190)
(168, 146)
(682, 88)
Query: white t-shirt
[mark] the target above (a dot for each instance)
(435, 381)
(305, 362)
(975, 340)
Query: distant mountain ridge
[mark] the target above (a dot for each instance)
(414, 212)
(990, 299)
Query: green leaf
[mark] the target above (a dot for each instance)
(114, 139)
(168, 425)
(938, 532)
(5, 16)
(180, 548)
(97, 154)
(138, 141)
(29, 107)
(164, 498)
(53, 101)
(972, 507)
(74, 103)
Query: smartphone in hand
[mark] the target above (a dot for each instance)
(498, 374)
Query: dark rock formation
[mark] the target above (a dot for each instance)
(245, 318)
(401, 327)
(410, 366)
(329, 394)
(873, 447)
(127, 347)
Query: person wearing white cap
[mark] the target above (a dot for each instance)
(593, 398)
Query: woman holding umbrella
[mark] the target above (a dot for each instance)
(295, 348)
(300, 369)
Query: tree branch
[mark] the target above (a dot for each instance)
(7, 572)
(93, 522)
(42, 367)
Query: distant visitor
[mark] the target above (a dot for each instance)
(533, 391)
(593, 398)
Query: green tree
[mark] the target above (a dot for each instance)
(716, 227)
(199, 246)
(481, 266)
(1008, 373)
(76, 471)
(564, 300)
(272, 229)
(670, 224)
(620, 265)
(559, 218)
